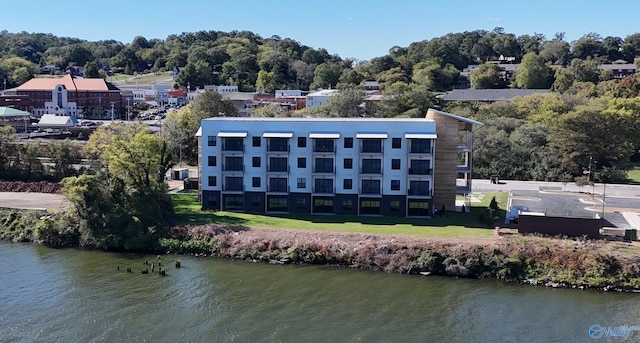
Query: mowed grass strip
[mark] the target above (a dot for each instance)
(187, 209)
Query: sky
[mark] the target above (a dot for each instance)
(355, 29)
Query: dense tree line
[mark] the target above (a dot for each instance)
(255, 63)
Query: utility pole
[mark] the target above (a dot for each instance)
(112, 111)
(128, 116)
(589, 175)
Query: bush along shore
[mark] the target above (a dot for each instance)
(531, 260)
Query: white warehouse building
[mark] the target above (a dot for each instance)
(350, 166)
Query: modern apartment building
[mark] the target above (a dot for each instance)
(348, 166)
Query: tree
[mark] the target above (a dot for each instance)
(271, 110)
(587, 46)
(533, 73)
(326, 75)
(487, 75)
(556, 51)
(64, 154)
(121, 202)
(91, 70)
(611, 47)
(346, 103)
(266, 82)
(434, 77)
(631, 47)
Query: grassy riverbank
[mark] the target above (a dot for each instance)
(454, 245)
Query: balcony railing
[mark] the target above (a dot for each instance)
(277, 169)
(371, 171)
(419, 192)
(419, 171)
(324, 190)
(233, 147)
(278, 148)
(324, 170)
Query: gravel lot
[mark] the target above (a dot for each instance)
(28, 200)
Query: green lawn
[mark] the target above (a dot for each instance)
(633, 175)
(188, 211)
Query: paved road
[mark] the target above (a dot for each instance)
(598, 189)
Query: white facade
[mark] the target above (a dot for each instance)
(221, 89)
(343, 166)
(287, 93)
(319, 98)
(59, 104)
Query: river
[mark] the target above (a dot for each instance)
(74, 295)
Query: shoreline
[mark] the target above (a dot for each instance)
(532, 260)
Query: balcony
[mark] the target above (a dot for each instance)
(278, 189)
(324, 190)
(324, 170)
(375, 171)
(419, 192)
(421, 150)
(420, 171)
(278, 148)
(277, 169)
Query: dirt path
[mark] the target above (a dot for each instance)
(29, 200)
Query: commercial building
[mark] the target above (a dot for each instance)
(351, 166)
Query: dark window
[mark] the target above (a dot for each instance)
(278, 184)
(347, 184)
(395, 163)
(323, 145)
(418, 208)
(324, 165)
(277, 204)
(348, 143)
(302, 162)
(396, 143)
(420, 146)
(323, 185)
(212, 161)
(256, 162)
(211, 141)
(370, 206)
(347, 204)
(232, 163)
(420, 167)
(395, 205)
(395, 185)
(233, 203)
(256, 141)
(278, 164)
(301, 203)
(348, 163)
(212, 181)
(419, 188)
(322, 205)
(278, 144)
(233, 183)
(232, 144)
(255, 181)
(370, 187)
(371, 166)
(372, 145)
(302, 142)
(302, 182)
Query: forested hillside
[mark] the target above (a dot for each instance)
(590, 116)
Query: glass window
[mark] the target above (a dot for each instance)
(232, 144)
(256, 141)
(233, 203)
(278, 164)
(302, 182)
(324, 165)
(420, 146)
(212, 181)
(348, 142)
(302, 142)
(347, 184)
(302, 162)
(372, 145)
(233, 163)
(233, 183)
(419, 188)
(396, 143)
(323, 145)
(301, 203)
(370, 187)
(278, 184)
(348, 163)
(211, 141)
(395, 185)
(212, 161)
(255, 181)
(371, 166)
(256, 162)
(420, 167)
(278, 144)
(347, 204)
(395, 163)
(323, 185)
(395, 205)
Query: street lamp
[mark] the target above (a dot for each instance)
(128, 116)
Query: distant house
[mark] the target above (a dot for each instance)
(221, 88)
(175, 71)
(49, 69)
(489, 95)
(75, 71)
(620, 68)
(177, 97)
(319, 98)
(52, 121)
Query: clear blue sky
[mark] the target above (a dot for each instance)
(350, 28)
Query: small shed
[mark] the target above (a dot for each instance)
(52, 121)
(180, 173)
